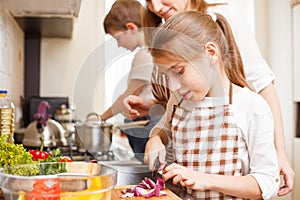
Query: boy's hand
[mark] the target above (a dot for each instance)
(135, 106)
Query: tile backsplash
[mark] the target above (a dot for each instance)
(12, 60)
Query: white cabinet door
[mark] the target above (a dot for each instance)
(296, 52)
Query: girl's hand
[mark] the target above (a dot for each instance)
(155, 148)
(186, 177)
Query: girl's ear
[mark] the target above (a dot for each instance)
(131, 26)
(212, 50)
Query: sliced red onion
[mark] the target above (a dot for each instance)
(140, 191)
(160, 183)
(146, 188)
(150, 182)
(146, 184)
(151, 193)
(128, 194)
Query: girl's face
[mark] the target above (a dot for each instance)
(167, 8)
(186, 80)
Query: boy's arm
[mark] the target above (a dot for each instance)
(134, 87)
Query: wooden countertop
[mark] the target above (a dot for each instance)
(116, 194)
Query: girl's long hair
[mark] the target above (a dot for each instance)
(185, 35)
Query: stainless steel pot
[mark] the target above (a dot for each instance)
(93, 136)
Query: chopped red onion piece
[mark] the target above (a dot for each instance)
(146, 188)
(128, 194)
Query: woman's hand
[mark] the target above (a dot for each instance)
(155, 149)
(288, 175)
(135, 106)
(186, 177)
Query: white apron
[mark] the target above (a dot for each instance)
(206, 139)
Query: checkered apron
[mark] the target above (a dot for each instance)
(208, 140)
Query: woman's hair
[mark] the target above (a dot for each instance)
(122, 12)
(184, 36)
(149, 19)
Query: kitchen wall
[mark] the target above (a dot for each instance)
(11, 59)
(63, 60)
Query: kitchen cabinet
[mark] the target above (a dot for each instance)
(49, 18)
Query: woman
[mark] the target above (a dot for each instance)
(257, 71)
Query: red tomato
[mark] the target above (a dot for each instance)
(66, 159)
(40, 188)
(37, 155)
(43, 155)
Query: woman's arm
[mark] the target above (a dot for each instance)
(134, 87)
(269, 94)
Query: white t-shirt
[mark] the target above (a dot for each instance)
(257, 71)
(141, 68)
(254, 118)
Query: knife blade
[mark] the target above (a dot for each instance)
(179, 190)
(156, 166)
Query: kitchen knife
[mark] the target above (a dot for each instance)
(179, 190)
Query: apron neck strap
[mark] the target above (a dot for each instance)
(230, 93)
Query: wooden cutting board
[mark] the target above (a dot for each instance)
(116, 195)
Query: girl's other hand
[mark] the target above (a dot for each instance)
(155, 149)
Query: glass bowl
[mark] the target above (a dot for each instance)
(61, 181)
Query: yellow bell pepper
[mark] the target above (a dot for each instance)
(96, 184)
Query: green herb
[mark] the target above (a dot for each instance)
(52, 168)
(23, 170)
(16, 154)
(13, 154)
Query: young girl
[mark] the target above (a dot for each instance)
(123, 22)
(257, 71)
(222, 132)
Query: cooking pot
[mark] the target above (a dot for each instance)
(93, 136)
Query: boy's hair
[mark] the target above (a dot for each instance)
(184, 36)
(122, 12)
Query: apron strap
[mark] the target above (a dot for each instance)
(230, 93)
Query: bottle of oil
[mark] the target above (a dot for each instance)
(7, 117)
